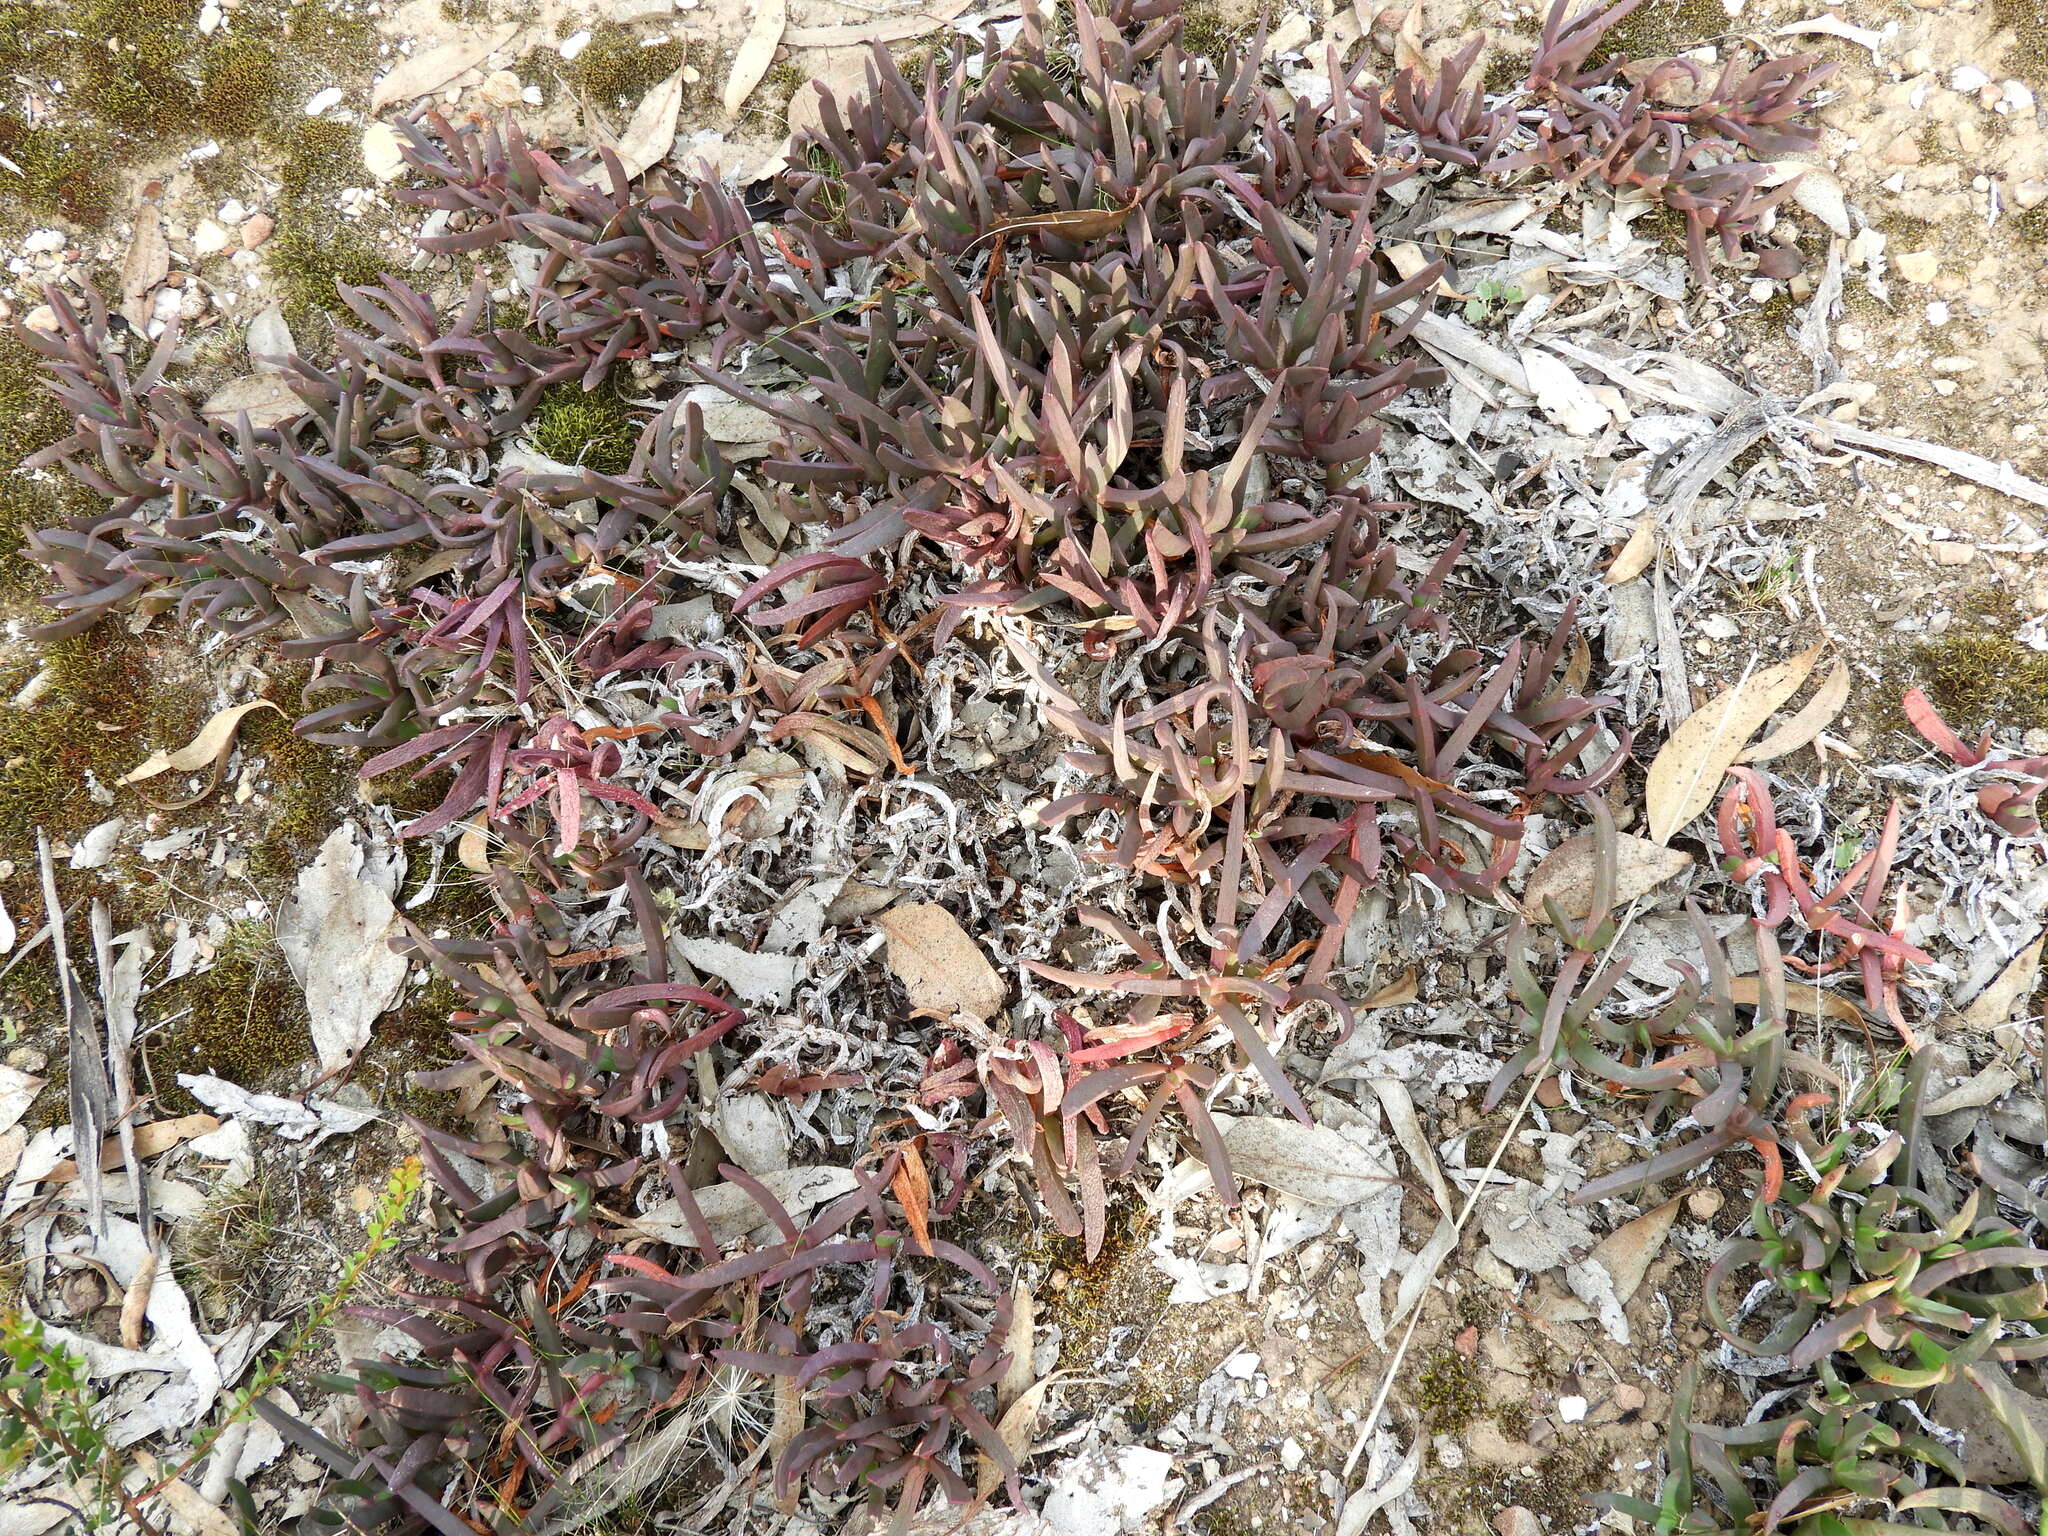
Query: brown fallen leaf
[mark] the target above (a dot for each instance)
(756, 53)
(147, 264)
(1998, 1003)
(1067, 223)
(1636, 554)
(1400, 990)
(135, 1304)
(1566, 874)
(203, 750)
(1022, 1342)
(941, 968)
(912, 1187)
(1687, 773)
(1801, 997)
(431, 68)
(156, 1137)
(1814, 716)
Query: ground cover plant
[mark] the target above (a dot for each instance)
(1151, 459)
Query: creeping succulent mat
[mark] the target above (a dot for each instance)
(1032, 842)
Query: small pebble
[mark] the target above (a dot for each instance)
(209, 239)
(1291, 1454)
(1628, 1398)
(1937, 313)
(206, 151)
(1919, 266)
(44, 242)
(1705, 1204)
(209, 18)
(1968, 77)
(1571, 1410)
(1242, 1366)
(257, 230)
(574, 44)
(323, 100)
(232, 211)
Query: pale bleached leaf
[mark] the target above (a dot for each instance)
(431, 68)
(146, 265)
(756, 52)
(652, 132)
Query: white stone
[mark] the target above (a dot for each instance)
(209, 18)
(1918, 266)
(1968, 77)
(1937, 313)
(210, 238)
(2015, 96)
(232, 211)
(1242, 1366)
(1571, 1410)
(323, 101)
(44, 242)
(574, 44)
(1291, 1454)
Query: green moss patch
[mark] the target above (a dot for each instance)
(589, 427)
(1449, 1393)
(2027, 20)
(1980, 677)
(243, 1018)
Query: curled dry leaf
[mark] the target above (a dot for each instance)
(1814, 716)
(1400, 990)
(1688, 771)
(432, 68)
(756, 53)
(941, 968)
(1801, 997)
(1566, 874)
(202, 751)
(135, 1304)
(1636, 554)
(1067, 223)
